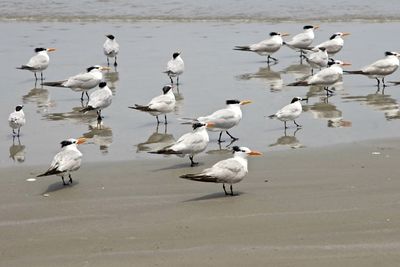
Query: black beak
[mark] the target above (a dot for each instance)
(305, 99)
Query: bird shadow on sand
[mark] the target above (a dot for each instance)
(54, 187)
(179, 166)
(217, 195)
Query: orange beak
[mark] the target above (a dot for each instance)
(316, 27)
(210, 125)
(50, 49)
(104, 68)
(346, 64)
(255, 153)
(245, 102)
(81, 140)
(285, 34)
(345, 33)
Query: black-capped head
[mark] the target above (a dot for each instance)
(198, 125)
(66, 143)
(308, 27)
(236, 149)
(322, 48)
(90, 68)
(166, 89)
(334, 36)
(18, 108)
(273, 34)
(388, 53)
(295, 99)
(102, 84)
(331, 62)
(175, 55)
(232, 101)
(39, 49)
(110, 36)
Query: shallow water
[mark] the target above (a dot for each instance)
(214, 73)
(255, 10)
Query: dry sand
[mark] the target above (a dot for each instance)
(333, 206)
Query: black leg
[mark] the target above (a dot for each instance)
(274, 59)
(165, 119)
(115, 61)
(231, 191)
(41, 76)
(219, 139)
(108, 61)
(223, 186)
(312, 71)
(383, 82)
(64, 183)
(70, 178)
(285, 124)
(268, 57)
(87, 95)
(172, 81)
(379, 82)
(82, 96)
(298, 125)
(35, 76)
(234, 138)
(19, 129)
(158, 121)
(177, 80)
(192, 162)
(99, 118)
(13, 132)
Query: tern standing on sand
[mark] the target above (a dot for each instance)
(190, 144)
(99, 100)
(290, 112)
(67, 160)
(228, 171)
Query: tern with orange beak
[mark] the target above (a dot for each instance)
(326, 77)
(334, 44)
(302, 40)
(190, 144)
(380, 68)
(228, 171)
(39, 62)
(82, 82)
(266, 47)
(224, 119)
(67, 160)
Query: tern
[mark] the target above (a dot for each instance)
(228, 171)
(266, 47)
(17, 119)
(82, 81)
(302, 40)
(159, 105)
(111, 49)
(290, 112)
(224, 119)
(318, 58)
(326, 77)
(334, 44)
(175, 67)
(99, 100)
(380, 68)
(67, 160)
(39, 62)
(190, 144)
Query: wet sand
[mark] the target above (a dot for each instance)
(334, 206)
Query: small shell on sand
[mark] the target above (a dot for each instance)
(31, 179)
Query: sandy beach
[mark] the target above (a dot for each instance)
(334, 206)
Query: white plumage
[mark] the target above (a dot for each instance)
(318, 58)
(17, 119)
(39, 62)
(111, 48)
(334, 44)
(290, 112)
(266, 47)
(228, 171)
(159, 105)
(175, 67)
(67, 160)
(191, 143)
(303, 40)
(99, 100)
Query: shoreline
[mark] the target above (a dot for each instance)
(323, 206)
